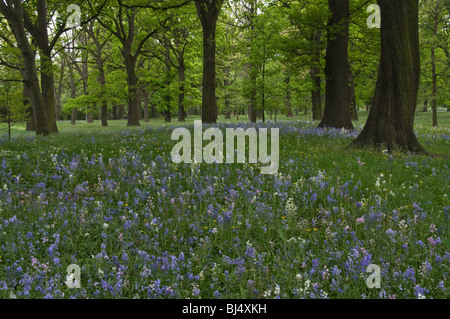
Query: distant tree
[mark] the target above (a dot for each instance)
(435, 40)
(12, 106)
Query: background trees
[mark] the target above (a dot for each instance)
(250, 58)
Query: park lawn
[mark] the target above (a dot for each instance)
(139, 226)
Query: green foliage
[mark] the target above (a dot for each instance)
(12, 106)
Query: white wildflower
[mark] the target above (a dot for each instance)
(290, 207)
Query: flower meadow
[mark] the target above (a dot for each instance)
(140, 226)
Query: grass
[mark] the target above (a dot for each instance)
(139, 226)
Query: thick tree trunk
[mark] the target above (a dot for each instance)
(47, 79)
(132, 81)
(209, 106)
(208, 12)
(337, 102)
(425, 105)
(30, 126)
(14, 15)
(390, 124)
(48, 91)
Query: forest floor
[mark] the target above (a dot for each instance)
(139, 226)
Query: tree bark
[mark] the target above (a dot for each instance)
(101, 75)
(390, 124)
(434, 91)
(337, 102)
(14, 15)
(114, 112)
(121, 114)
(252, 111)
(181, 83)
(145, 102)
(133, 82)
(30, 126)
(316, 92)
(352, 96)
(288, 98)
(73, 92)
(47, 79)
(208, 12)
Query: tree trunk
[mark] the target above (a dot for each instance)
(352, 96)
(208, 12)
(73, 90)
(58, 92)
(121, 112)
(114, 112)
(145, 102)
(48, 91)
(390, 123)
(14, 15)
(316, 92)
(288, 98)
(132, 81)
(152, 110)
(30, 126)
(139, 102)
(425, 105)
(89, 118)
(102, 82)
(47, 79)
(166, 111)
(316, 95)
(434, 92)
(181, 83)
(227, 102)
(337, 102)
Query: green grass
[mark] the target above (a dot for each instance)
(222, 231)
(18, 129)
